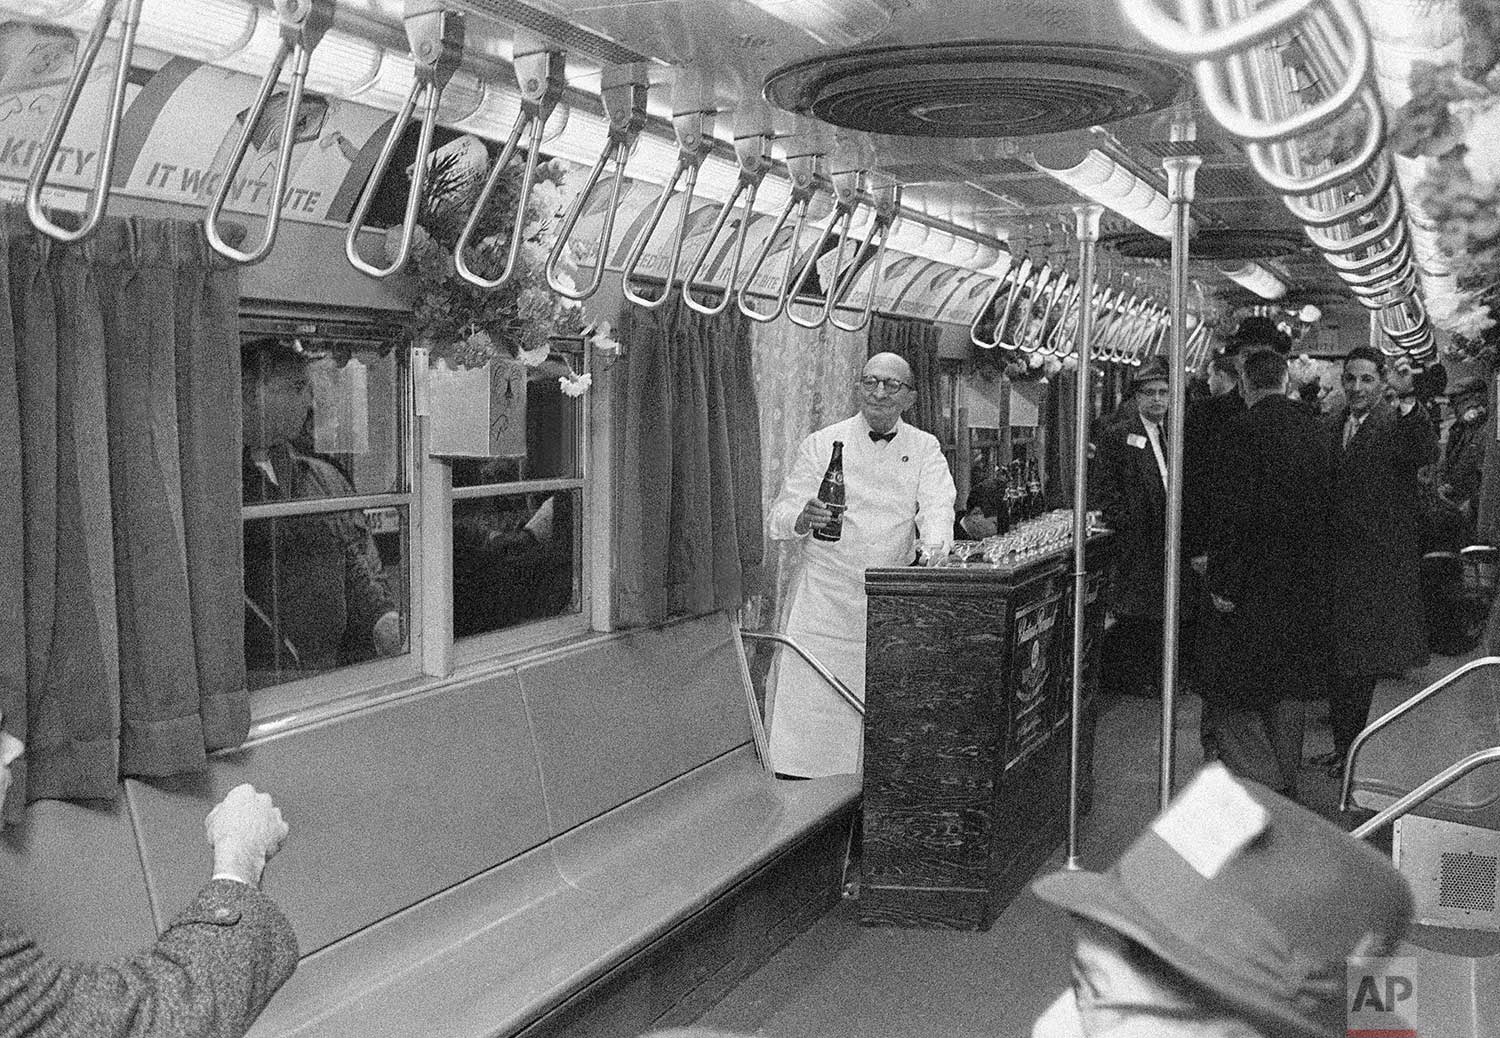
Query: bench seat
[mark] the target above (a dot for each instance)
(560, 917)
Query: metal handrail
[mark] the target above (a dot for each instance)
(1061, 342)
(1433, 786)
(1401, 710)
(754, 155)
(1023, 276)
(803, 173)
(848, 185)
(302, 25)
(1381, 181)
(1004, 279)
(624, 89)
(1265, 159)
(541, 75)
(1380, 251)
(1038, 342)
(109, 139)
(1041, 281)
(1195, 41)
(887, 206)
(695, 139)
(436, 38)
(812, 661)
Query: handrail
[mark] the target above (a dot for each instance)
(1264, 158)
(802, 169)
(848, 184)
(1433, 786)
(436, 38)
(1041, 281)
(624, 90)
(695, 139)
(1060, 343)
(109, 139)
(541, 75)
(887, 206)
(812, 661)
(754, 155)
(1196, 42)
(1038, 342)
(1381, 182)
(302, 25)
(1004, 279)
(1399, 711)
(1023, 275)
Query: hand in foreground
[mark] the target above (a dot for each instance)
(1223, 604)
(815, 515)
(246, 831)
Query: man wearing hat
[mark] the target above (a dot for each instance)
(1133, 498)
(1235, 914)
(1463, 457)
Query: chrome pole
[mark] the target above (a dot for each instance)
(1181, 170)
(1087, 222)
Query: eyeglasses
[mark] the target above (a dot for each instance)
(891, 385)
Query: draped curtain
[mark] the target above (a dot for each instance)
(805, 378)
(917, 342)
(688, 517)
(119, 528)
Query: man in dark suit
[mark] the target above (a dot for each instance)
(1376, 601)
(981, 515)
(208, 975)
(1463, 458)
(1132, 496)
(1267, 578)
(1203, 434)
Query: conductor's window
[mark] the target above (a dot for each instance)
(326, 507)
(518, 511)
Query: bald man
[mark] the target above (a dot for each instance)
(898, 492)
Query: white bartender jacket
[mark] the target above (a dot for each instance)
(895, 493)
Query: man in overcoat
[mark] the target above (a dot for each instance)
(1133, 498)
(1377, 522)
(1267, 574)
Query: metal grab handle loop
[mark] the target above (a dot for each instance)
(1388, 225)
(994, 294)
(436, 45)
(1266, 159)
(846, 189)
(754, 154)
(1060, 285)
(1357, 206)
(1227, 112)
(742, 297)
(1041, 279)
(1061, 341)
(541, 74)
(303, 23)
(1195, 42)
(624, 95)
(694, 141)
(1017, 283)
(109, 139)
(887, 204)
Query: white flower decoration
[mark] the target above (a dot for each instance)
(574, 384)
(604, 342)
(531, 358)
(1482, 143)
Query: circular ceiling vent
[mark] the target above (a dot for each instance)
(1210, 243)
(975, 89)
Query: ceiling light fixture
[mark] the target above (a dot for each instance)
(1101, 179)
(1254, 277)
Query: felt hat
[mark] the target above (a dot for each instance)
(1153, 370)
(1252, 897)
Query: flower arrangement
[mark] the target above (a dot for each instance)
(459, 321)
(1453, 120)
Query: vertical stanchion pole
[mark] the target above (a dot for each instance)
(1087, 217)
(1181, 170)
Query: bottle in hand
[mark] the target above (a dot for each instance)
(831, 493)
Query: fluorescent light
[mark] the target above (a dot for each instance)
(1101, 179)
(833, 23)
(1256, 278)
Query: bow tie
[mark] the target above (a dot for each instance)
(876, 437)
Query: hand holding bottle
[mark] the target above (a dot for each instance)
(816, 515)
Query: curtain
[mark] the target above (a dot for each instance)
(917, 342)
(119, 368)
(687, 507)
(806, 379)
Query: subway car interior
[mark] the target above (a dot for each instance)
(530, 304)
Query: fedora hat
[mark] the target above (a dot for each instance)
(1255, 899)
(1153, 370)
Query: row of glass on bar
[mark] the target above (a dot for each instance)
(1029, 539)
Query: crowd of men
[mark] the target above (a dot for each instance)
(1304, 521)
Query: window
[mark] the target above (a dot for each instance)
(518, 516)
(326, 499)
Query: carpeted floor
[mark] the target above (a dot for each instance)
(843, 980)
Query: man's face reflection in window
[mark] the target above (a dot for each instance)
(278, 399)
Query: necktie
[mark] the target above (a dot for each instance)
(876, 437)
(1350, 428)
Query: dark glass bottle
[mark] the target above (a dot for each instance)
(1015, 495)
(1034, 504)
(1003, 501)
(831, 493)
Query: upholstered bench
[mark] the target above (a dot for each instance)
(585, 841)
